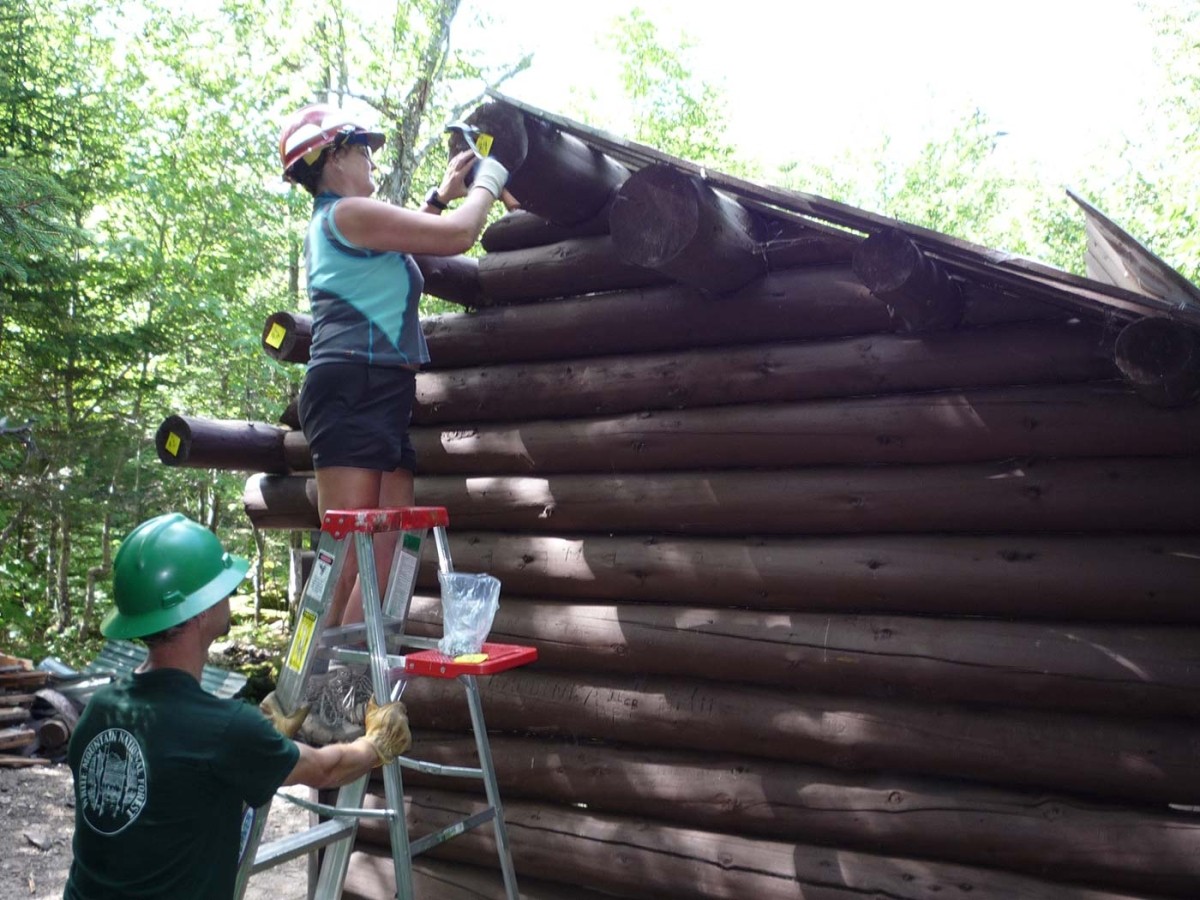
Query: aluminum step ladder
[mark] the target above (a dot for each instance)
(383, 623)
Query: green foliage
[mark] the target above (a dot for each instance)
(669, 107)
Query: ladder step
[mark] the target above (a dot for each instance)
(295, 845)
(452, 831)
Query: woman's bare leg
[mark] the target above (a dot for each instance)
(348, 488)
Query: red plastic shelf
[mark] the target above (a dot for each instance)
(498, 658)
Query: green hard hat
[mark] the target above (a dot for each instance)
(168, 570)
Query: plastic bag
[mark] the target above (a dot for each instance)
(469, 603)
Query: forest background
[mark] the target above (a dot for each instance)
(145, 234)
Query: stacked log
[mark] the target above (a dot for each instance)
(847, 574)
(35, 721)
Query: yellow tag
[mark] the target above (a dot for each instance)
(483, 143)
(471, 659)
(276, 335)
(173, 442)
(304, 634)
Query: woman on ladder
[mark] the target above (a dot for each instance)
(364, 287)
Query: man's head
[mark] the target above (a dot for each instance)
(169, 570)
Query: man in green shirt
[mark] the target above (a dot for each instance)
(162, 768)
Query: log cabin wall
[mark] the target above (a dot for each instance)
(860, 574)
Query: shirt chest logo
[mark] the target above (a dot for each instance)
(112, 781)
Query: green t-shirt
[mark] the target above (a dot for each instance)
(162, 770)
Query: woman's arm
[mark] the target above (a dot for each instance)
(382, 226)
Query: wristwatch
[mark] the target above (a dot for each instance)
(432, 199)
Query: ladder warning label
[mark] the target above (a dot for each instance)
(305, 628)
(320, 576)
(407, 573)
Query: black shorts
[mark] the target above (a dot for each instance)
(357, 415)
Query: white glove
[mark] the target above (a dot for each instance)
(490, 175)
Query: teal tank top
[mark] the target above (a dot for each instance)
(364, 302)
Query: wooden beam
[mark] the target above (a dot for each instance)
(569, 268)
(287, 336)
(1132, 848)
(916, 289)
(454, 279)
(1147, 579)
(521, 229)
(638, 858)
(955, 426)
(1161, 360)
(1109, 669)
(1020, 353)
(230, 444)
(1139, 759)
(673, 223)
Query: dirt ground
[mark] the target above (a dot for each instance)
(37, 819)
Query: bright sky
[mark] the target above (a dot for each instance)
(806, 80)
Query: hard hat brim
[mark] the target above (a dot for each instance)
(119, 626)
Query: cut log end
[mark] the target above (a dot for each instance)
(1161, 360)
(916, 289)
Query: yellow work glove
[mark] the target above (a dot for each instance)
(387, 730)
(284, 724)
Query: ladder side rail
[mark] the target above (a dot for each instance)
(392, 781)
(445, 563)
(289, 688)
(503, 850)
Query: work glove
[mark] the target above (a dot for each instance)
(490, 174)
(387, 730)
(284, 724)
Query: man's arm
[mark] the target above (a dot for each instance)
(333, 765)
(336, 764)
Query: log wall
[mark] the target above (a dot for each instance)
(832, 599)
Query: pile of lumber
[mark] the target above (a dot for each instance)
(35, 720)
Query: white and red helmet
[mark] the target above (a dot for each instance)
(312, 128)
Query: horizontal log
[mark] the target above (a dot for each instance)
(674, 223)
(1139, 760)
(451, 278)
(1024, 353)
(12, 715)
(288, 502)
(372, 876)
(1105, 495)
(1149, 579)
(16, 736)
(785, 245)
(795, 304)
(221, 444)
(958, 426)
(1037, 834)
(640, 859)
(571, 267)
(1113, 669)
(521, 229)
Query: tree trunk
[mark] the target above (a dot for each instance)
(97, 572)
(228, 444)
